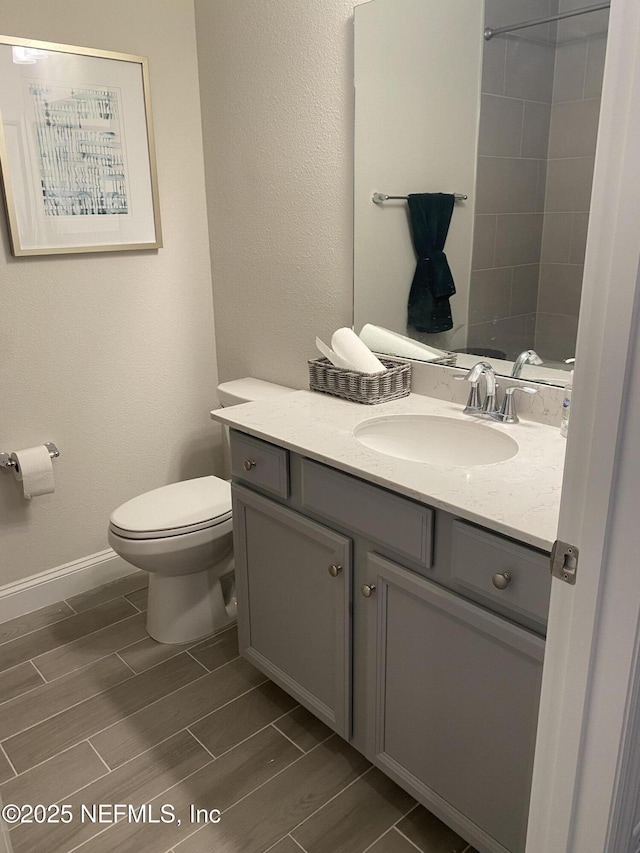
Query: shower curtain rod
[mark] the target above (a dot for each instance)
(490, 32)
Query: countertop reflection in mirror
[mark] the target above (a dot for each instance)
(512, 123)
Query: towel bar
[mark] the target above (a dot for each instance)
(379, 198)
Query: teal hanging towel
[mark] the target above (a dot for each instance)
(432, 285)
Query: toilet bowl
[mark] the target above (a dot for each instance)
(182, 535)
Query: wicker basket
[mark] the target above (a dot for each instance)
(368, 388)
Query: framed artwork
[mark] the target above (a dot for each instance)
(76, 149)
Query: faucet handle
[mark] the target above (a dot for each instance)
(526, 389)
(507, 414)
(474, 403)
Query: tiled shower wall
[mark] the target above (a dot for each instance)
(535, 165)
(577, 86)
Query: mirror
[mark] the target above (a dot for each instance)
(510, 122)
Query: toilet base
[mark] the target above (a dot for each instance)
(185, 608)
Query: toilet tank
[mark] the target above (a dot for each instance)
(248, 390)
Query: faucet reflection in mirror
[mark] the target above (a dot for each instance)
(516, 249)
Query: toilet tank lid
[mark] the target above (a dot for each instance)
(248, 390)
(176, 505)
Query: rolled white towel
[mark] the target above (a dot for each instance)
(327, 352)
(350, 349)
(391, 343)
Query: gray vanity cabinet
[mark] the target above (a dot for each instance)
(456, 702)
(415, 635)
(293, 580)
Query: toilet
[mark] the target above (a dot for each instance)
(182, 535)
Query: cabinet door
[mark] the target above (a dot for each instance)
(456, 702)
(293, 580)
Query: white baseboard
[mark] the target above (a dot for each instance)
(23, 596)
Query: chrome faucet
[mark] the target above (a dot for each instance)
(529, 356)
(475, 404)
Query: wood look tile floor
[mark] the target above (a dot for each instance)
(93, 711)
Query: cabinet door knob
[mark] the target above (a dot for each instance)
(334, 570)
(501, 580)
(249, 464)
(367, 589)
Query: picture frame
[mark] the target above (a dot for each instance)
(77, 154)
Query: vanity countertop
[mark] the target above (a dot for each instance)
(519, 497)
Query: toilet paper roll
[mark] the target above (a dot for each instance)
(34, 469)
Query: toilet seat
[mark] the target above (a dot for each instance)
(174, 510)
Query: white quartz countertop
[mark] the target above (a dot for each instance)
(519, 497)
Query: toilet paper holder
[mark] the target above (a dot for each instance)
(10, 464)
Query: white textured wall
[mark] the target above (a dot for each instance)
(277, 105)
(111, 356)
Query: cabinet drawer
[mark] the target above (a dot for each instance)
(403, 526)
(477, 556)
(260, 464)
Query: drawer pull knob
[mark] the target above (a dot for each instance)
(334, 570)
(367, 589)
(501, 580)
(249, 464)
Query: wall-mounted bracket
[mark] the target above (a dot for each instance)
(564, 561)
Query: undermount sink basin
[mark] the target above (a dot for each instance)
(436, 440)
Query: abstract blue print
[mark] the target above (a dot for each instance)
(80, 148)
